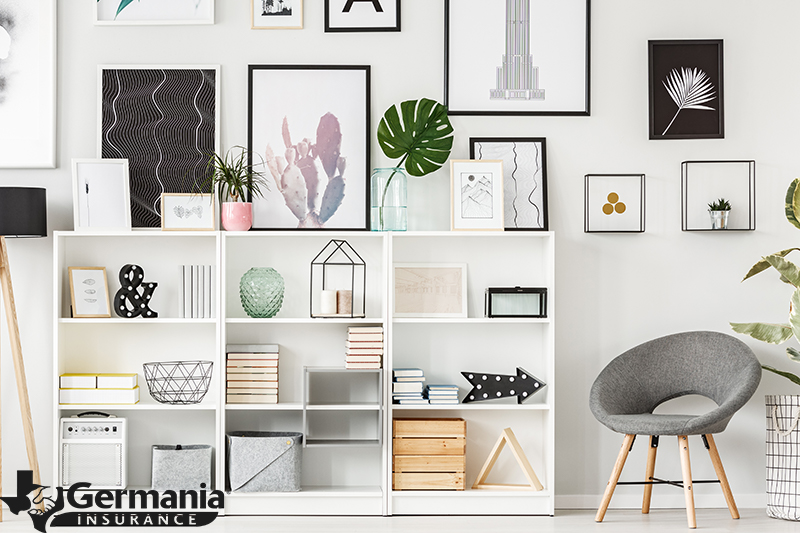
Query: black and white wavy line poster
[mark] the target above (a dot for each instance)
(164, 121)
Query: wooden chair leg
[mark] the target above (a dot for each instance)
(723, 479)
(649, 471)
(686, 469)
(612, 482)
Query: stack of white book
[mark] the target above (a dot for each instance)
(196, 291)
(252, 373)
(98, 389)
(442, 394)
(364, 347)
(407, 386)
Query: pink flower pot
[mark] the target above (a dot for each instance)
(237, 216)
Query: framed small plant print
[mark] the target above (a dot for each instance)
(614, 203)
(187, 212)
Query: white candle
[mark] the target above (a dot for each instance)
(327, 302)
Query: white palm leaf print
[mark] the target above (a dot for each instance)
(689, 89)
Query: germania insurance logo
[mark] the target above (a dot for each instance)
(113, 508)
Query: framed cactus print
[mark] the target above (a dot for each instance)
(308, 132)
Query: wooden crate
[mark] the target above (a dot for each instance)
(429, 453)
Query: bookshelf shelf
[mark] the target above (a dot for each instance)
(320, 443)
(139, 407)
(344, 407)
(289, 406)
(340, 321)
(149, 321)
(477, 406)
(471, 320)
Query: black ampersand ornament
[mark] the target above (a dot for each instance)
(129, 302)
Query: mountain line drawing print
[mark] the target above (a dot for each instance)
(476, 195)
(689, 88)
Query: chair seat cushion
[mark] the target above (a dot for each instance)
(651, 424)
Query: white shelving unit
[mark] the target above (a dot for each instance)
(348, 470)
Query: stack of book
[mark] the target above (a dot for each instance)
(98, 389)
(442, 394)
(252, 373)
(196, 291)
(407, 386)
(364, 347)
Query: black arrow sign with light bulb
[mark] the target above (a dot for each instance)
(493, 386)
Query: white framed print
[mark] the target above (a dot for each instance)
(88, 289)
(187, 212)
(614, 203)
(430, 290)
(276, 14)
(101, 194)
(476, 188)
(153, 12)
(28, 84)
(362, 15)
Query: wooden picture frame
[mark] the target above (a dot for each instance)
(186, 211)
(89, 303)
(153, 12)
(272, 19)
(101, 195)
(416, 285)
(476, 195)
(362, 16)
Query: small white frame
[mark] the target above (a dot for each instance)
(423, 304)
(488, 216)
(101, 195)
(291, 22)
(198, 209)
(98, 13)
(95, 280)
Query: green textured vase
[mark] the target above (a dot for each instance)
(261, 291)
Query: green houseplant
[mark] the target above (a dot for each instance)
(419, 134)
(235, 178)
(719, 211)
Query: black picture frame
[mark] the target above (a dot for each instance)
(675, 68)
(635, 224)
(331, 25)
(469, 73)
(723, 185)
(518, 191)
(329, 100)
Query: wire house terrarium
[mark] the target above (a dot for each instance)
(338, 282)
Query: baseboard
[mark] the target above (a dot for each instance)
(660, 501)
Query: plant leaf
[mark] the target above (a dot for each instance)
(794, 313)
(423, 138)
(762, 265)
(788, 270)
(122, 5)
(689, 87)
(770, 333)
(793, 354)
(788, 375)
(793, 204)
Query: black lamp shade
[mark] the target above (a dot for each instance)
(23, 212)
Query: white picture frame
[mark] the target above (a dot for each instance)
(88, 290)
(429, 290)
(153, 12)
(476, 195)
(28, 95)
(261, 18)
(187, 212)
(101, 195)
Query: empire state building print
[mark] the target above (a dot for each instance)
(517, 77)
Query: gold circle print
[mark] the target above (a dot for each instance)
(614, 205)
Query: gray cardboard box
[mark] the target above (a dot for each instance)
(181, 467)
(264, 461)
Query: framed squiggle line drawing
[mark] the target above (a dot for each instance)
(524, 178)
(164, 120)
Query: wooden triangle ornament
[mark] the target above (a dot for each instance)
(507, 436)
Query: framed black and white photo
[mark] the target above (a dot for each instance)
(276, 14)
(476, 189)
(705, 183)
(362, 15)
(88, 289)
(430, 290)
(27, 84)
(686, 89)
(524, 178)
(153, 12)
(517, 57)
(101, 194)
(187, 211)
(614, 203)
(164, 120)
(310, 126)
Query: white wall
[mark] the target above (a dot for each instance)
(614, 291)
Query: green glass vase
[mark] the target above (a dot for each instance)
(261, 292)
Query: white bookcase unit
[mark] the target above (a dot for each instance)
(345, 415)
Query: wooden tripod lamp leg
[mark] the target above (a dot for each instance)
(19, 365)
(612, 482)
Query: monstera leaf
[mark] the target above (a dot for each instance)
(420, 133)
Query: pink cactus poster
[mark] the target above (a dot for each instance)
(309, 126)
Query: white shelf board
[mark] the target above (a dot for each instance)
(359, 321)
(288, 406)
(255, 234)
(361, 406)
(340, 443)
(456, 234)
(137, 232)
(472, 502)
(470, 320)
(139, 407)
(312, 492)
(477, 406)
(316, 501)
(471, 493)
(137, 320)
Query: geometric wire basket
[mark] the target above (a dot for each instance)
(178, 382)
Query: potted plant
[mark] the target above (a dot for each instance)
(422, 141)
(236, 180)
(719, 212)
(783, 479)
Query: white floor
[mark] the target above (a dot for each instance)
(617, 521)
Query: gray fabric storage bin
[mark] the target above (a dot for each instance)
(264, 461)
(181, 467)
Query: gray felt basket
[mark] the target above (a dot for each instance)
(264, 461)
(181, 467)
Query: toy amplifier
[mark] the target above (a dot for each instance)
(93, 449)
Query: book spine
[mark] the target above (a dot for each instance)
(181, 313)
(187, 291)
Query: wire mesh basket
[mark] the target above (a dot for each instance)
(178, 382)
